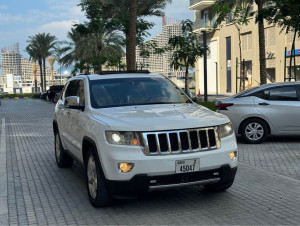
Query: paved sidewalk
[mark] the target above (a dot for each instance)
(38, 192)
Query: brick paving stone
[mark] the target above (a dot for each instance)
(266, 190)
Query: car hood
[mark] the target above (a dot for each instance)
(158, 117)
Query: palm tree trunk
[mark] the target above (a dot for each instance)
(262, 48)
(187, 79)
(132, 35)
(45, 75)
(241, 59)
(41, 75)
(292, 54)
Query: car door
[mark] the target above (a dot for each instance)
(281, 107)
(66, 134)
(76, 119)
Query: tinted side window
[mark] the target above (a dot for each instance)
(80, 92)
(287, 93)
(265, 94)
(72, 89)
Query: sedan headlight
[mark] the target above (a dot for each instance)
(225, 130)
(122, 138)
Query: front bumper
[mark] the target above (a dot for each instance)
(142, 183)
(151, 166)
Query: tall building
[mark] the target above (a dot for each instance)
(225, 76)
(11, 60)
(161, 63)
(21, 69)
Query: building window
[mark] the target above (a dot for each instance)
(246, 41)
(270, 39)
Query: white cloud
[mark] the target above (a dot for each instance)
(58, 28)
(3, 6)
(7, 18)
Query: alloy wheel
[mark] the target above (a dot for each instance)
(92, 177)
(254, 131)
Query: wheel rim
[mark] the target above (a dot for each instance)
(57, 147)
(92, 177)
(254, 131)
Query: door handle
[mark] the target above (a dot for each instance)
(263, 104)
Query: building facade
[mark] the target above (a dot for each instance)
(160, 63)
(227, 74)
(21, 71)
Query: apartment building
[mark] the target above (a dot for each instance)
(224, 72)
(21, 70)
(160, 63)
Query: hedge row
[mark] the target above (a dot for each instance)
(21, 95)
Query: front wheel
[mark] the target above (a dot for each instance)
(95, 182)
(254, 131)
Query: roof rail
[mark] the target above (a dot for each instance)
(123, 72)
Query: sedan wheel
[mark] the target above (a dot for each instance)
(254, 131)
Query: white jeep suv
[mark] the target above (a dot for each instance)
(137, 132)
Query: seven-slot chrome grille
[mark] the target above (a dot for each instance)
(180, 141)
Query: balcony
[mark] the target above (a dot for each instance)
(202, 25)
(200, 4)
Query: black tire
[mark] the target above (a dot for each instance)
(63, 160)
(219, 187)
(97, 190)
(262, 129)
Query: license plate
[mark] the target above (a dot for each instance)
(186, 166)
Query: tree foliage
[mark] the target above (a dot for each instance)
(186, 49)
(40, 47)
(285, 14)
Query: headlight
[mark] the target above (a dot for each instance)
(122, 138)
(225, 130)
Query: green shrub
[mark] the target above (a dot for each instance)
(35, 95)
(209, 105)
(31, 95)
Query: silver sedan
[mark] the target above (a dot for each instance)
(264, 110)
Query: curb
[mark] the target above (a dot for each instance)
(3, 177)
(7, 98)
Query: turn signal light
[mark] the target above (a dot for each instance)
(125, 167)
(233, 155)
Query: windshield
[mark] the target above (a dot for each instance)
(134, 91)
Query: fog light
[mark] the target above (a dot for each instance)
(232, 155)
(125, 167)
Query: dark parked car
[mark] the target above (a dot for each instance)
(53, 90)
(43, 95)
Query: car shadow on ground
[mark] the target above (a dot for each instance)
(276, 139)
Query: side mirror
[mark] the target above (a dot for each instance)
(73, 103)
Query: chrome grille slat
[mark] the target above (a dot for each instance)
(157, 143)
(208, 143)
(206, 135)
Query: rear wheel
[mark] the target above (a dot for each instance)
(254, 131)
(62, 158)
(95, 182)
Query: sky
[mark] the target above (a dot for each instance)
(20, 19)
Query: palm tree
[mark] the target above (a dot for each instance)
(92, 47)
(44, 44)
(35, 55)
(71, 50)
(261, 41)
(125, 14)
